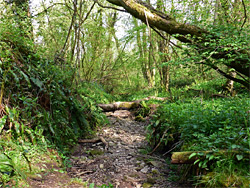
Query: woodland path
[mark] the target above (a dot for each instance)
(121, 163)
(117, 159)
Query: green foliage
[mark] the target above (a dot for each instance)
(15, 158)
(96, 93)
(144, 110)
(227, 173)
(41, 97)
(39, 104)
(205, 125)
(92, 185)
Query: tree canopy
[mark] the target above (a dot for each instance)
(238, 58)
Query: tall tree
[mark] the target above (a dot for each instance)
(163, 45)
(199, 38)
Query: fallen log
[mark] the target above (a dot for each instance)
(152, 97)
(184, 157)
(118, 106)
(127, 105)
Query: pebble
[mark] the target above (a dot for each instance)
(145, 169)
(101, 166)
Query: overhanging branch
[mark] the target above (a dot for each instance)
(244, 83)
(109, 7)
(186, 33)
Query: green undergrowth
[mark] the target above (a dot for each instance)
(214, 125)
(95, 93)
(39, 105)
(206, 89)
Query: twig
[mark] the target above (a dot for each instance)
(86, 17)
(51, 6)
(85, 172)
(166, 38)
(177, 144)
(159, 142)
(95, 140)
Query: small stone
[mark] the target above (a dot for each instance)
(142, 165)
(138, 185)
(155, 163)
(111, 144)
(126, 147)
(129, 157)
(101, 166)
(144, 170)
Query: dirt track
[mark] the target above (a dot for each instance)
(116, 156)
(120, 159)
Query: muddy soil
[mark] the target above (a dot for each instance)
(119, 158)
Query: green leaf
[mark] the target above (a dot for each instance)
(5, 164)
(51, 129)
(2, 123)
(17, 127)
(196, 161)
(192, 155)
(37, 82)
(92, 185)
(239, 157)
(211, 157)
(26, 78)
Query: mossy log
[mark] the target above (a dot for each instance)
(118, 106)
(184, 157)
(127, 105)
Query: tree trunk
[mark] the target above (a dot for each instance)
(166, 23)
(230, 83)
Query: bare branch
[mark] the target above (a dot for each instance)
(51, 6)
(162, 36)
(86, 17)
(245, 14)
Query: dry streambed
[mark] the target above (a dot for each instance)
(116, 157)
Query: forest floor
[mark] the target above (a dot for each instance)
(117, 158)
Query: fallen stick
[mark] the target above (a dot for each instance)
(95, 140)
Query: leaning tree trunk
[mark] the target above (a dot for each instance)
(198, 36)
